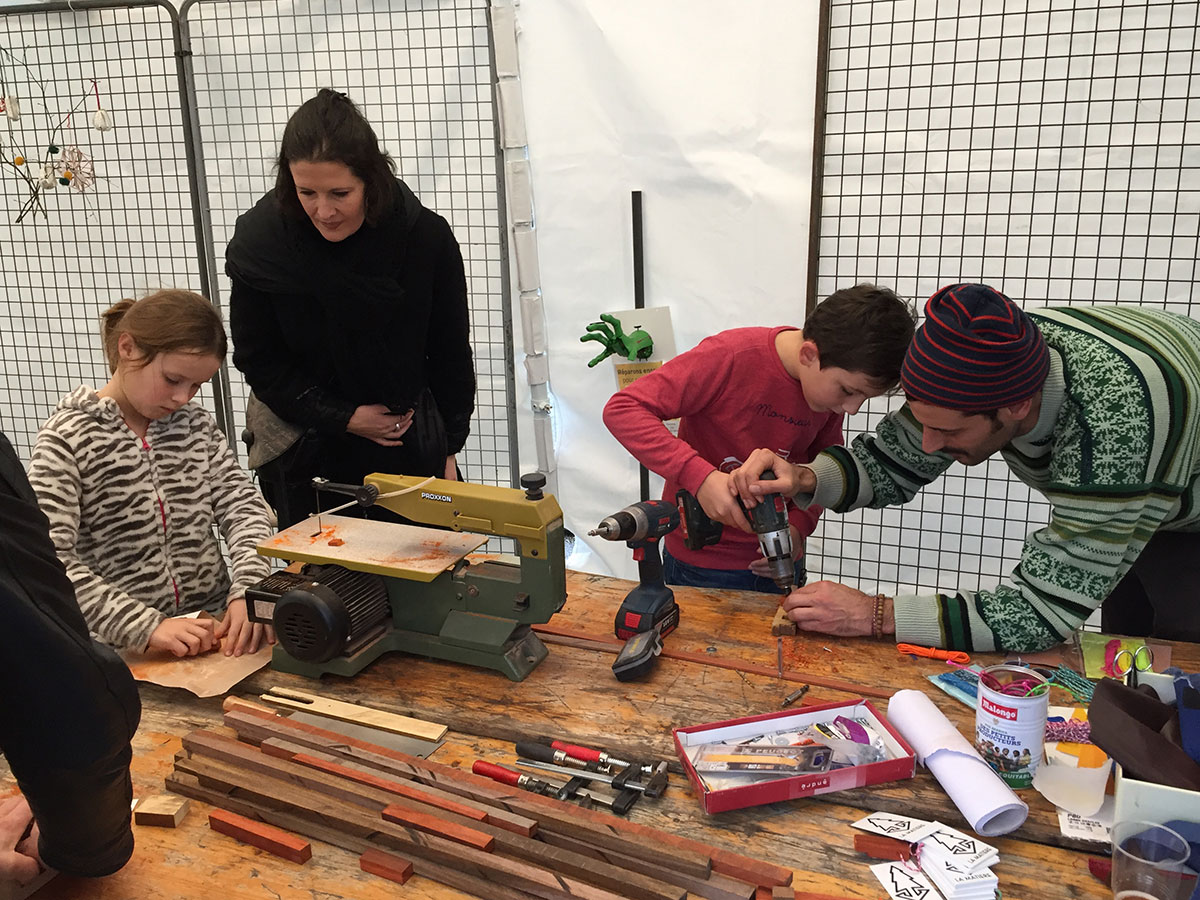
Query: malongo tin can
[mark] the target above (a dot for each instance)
(1010, 721)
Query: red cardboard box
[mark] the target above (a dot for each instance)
(902, 763)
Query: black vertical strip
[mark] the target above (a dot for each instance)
(639, 299)
(818, 160)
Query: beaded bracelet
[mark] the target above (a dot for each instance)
(877, 617)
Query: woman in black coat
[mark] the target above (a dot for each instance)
(348, 315)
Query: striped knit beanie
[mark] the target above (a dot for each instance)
(976, 351)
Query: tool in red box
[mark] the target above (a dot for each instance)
(540, 756)
(605, 761)
(620, 804)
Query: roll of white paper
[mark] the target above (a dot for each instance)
(986, 802)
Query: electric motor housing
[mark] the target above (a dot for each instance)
(321, 612)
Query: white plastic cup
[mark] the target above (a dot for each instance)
(1148, 863)
(1010, 731)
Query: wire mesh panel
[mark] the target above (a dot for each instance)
(1050, 148)
(113, 217)
(420, 72)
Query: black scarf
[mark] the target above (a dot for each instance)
(355, 284)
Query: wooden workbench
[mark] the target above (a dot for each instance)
(573, 696)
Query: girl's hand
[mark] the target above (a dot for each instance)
(184, 637)
(238, 634)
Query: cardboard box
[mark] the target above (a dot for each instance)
(901, 765)
(1145, 801)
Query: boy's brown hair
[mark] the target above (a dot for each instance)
(865, 328)
(166, 321)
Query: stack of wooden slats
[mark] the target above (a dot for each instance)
(481, 837)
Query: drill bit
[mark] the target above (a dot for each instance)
(794, 696)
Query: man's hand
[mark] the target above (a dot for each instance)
(451, 473)
(377, 423)
(184, 637)
(745, 481)
(830, 608)
(238, 634)
(719, 501)
(19, 860)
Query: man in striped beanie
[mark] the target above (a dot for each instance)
(1097, 408)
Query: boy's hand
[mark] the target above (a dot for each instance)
(184, 637)
(830, 608)
(719, 501)
(19, 860)
(789, 480)
(238, 634)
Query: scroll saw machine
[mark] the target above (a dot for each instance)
(367, 587)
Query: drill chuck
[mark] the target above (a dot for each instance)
(777, 548)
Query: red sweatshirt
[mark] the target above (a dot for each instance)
(732, 395)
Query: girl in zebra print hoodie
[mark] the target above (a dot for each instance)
(135, 476)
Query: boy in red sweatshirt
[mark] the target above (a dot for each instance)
(744, 388)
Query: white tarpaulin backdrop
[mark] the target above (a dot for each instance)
(705, 107)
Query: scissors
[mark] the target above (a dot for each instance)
(1127, 663)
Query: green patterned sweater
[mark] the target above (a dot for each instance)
(1116, 451)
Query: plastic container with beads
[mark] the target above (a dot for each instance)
(1010, 721)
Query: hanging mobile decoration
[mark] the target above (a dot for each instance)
(102, 120)
(68, 165)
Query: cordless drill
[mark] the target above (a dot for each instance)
(650, 605)
(769, 520)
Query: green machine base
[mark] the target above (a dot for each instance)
(465, 638)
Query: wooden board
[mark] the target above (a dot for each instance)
(162, 810)
(782, 625)
(352, 712)
(385, 548)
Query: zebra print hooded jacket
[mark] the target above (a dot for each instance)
(132, 520)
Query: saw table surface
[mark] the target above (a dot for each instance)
(573, 696)
(384, 548)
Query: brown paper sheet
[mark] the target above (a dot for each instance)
(209, 675)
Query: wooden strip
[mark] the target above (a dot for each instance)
(188, 785)
(264, 837)
(243, 766)
(565, 817)
(480, 812)
(386, 865)
(609, 645)
(399, 788)
(313, 806)
(609, 831)
(359, 715)
(783, 893)
(715, 887)
(433, 825)
(348, 750)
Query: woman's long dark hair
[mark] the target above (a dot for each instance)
(330, 128)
